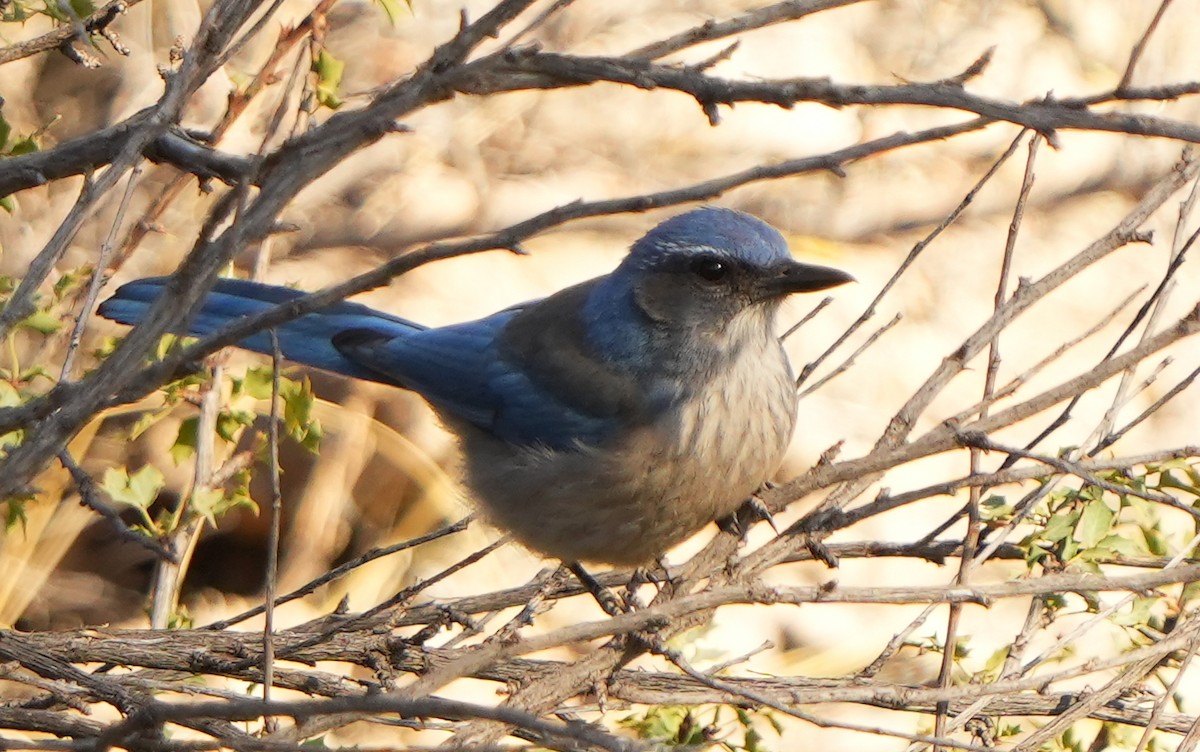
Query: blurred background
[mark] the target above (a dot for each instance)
(473, 164)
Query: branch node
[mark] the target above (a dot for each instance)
(821, 553)
(720, 57)
(974, 69)
(829, 455)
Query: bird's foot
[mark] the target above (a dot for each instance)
(658, 574)
(757, 510)
(608, 602)
(730, 524)
(752, 510)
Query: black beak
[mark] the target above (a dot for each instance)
(793, 276)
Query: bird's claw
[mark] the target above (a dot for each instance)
(608, 602)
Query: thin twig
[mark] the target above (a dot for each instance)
(344, 569)
(898, 641)
(913, 253)
(846, 364)
(98, 276)
(271, 576)
(1154, 407)
(1136, 53)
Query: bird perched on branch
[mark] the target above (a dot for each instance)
(605, 423)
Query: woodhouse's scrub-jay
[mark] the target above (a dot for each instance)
(605, 423)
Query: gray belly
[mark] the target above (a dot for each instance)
(628, 501)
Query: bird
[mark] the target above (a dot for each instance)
(605, 423)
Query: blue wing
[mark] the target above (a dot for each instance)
(480, 372)
(307, 340)
(498, 373)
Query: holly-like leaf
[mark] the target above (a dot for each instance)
(298, 403)
(209, 503)
(392, 9)
(1137, 614)
(138, 490)
(42, 322)
(1059, 527)
(256, 383)
(1095, 522)
(186, 440)
(329, 77)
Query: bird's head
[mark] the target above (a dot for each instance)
(709, 265)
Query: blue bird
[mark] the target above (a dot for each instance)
(605, 423)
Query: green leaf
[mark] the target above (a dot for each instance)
(8, 205)
(36, 372)
(392, 9)
(775, 722)
(329, 77)
(312, 437)
(1193, 473)
(1055, 602)
(5, 132)
(186, 440)
(995, 509)
(1009, 729)
(753, 741)
(1168, 480)
(1059, 527)
(298, 403)
(1137, 614)
(147, 419)
(9, 396)
(25, 145)
(70, 281)
(1068, 550)
(1119, 545)
(231, 422)
(181, 619)
(138, 490)
(239, 494)
(996, 660)
(257, 383)
(1095, 522)
(42, 322)
(1156, 542)
(1190, 592)
(209, 503)
(14, 512)
(79, 9)
(659, 724)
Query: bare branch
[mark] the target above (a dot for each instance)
(61, 38)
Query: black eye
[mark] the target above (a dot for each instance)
(709, 268)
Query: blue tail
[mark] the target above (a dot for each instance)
(308, 340)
